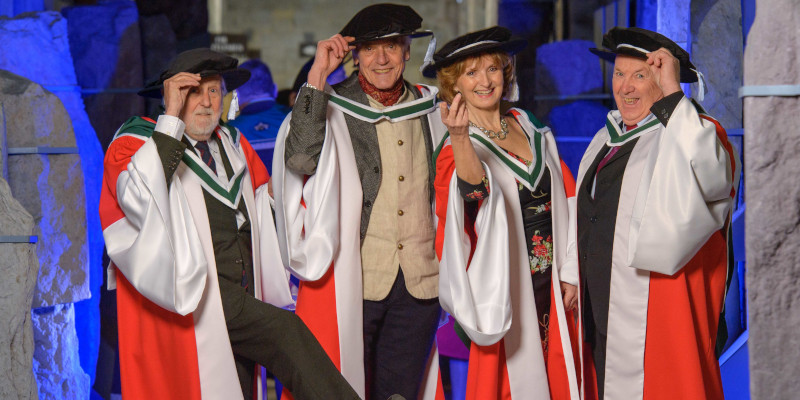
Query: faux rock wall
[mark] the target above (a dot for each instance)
(51, 188)
(717, 48)
(772, 143)
(61, 191)
(567, 68)
(107, 53)
(18, 266)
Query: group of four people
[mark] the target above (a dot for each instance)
(391, 199)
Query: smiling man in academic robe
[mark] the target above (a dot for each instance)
(655, 196)
(189, 230)
(355, 195)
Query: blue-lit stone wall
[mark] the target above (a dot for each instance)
(36, 47)
(569, 95)
(104, 40)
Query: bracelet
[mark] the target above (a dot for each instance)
(310, 86)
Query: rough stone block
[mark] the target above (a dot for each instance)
(564, 68)
(567, 68)
(579, 118)
(35, 46)
(717, 47)
(58, 369)
(575, 121)
(773, 209)
(49, 186)
(107, 53)
(673, 20)
(159, 45)
(18, 269)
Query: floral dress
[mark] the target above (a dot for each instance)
(538, 221)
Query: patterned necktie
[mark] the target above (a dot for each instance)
(611, 153)
(205, 155)
(606, 159)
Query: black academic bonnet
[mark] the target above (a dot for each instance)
(637, 42)
(381, 21)
(201, 61)
(489, 40)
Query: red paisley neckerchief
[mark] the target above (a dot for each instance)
(386, 97)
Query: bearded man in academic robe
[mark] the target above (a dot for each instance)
(655, 197)
(353, 178)
(188, 227)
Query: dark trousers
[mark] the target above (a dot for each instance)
(398, 333)
(261, 333)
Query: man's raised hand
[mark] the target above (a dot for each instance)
(176, 88)
(666, 69)
(330, 53)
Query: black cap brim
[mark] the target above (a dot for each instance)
(511, 47)
(638, 42)
(233, 79)
(412, 35)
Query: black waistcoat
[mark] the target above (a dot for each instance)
(232, 244)
(596, 224)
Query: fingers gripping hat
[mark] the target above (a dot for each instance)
(201, 61)
(638, 42)
(487, 40)
(381, 21)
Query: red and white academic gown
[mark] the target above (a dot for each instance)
(319, 221)
(485, 276)
(172, 338)
(669, 257)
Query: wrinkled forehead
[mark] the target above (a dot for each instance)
(626, 63)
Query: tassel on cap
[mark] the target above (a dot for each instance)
(513, 95)
(234, 107)
(429, 53)
(701, 85)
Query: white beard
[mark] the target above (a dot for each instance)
(197, 128)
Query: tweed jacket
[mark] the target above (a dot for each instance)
(308, 117)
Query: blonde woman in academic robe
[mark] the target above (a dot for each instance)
(508, 267)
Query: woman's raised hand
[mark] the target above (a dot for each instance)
(456, 117)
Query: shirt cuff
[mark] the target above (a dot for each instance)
(470, 192)
(663, 108)
(169, 125)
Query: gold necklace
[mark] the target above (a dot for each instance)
(502, 134)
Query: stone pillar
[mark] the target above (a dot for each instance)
(568, 95)
(717, 48)
(105, 44)
(19, 268)
(531, 21)
(672, 21)
(51, 187)
(771, 171)
(11, 8)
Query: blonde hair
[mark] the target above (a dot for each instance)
(448, 75)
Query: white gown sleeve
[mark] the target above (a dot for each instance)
(689, 195)
(275, 287)
(156, 246)
(479, 297)
(568, 269)
(307, 216)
